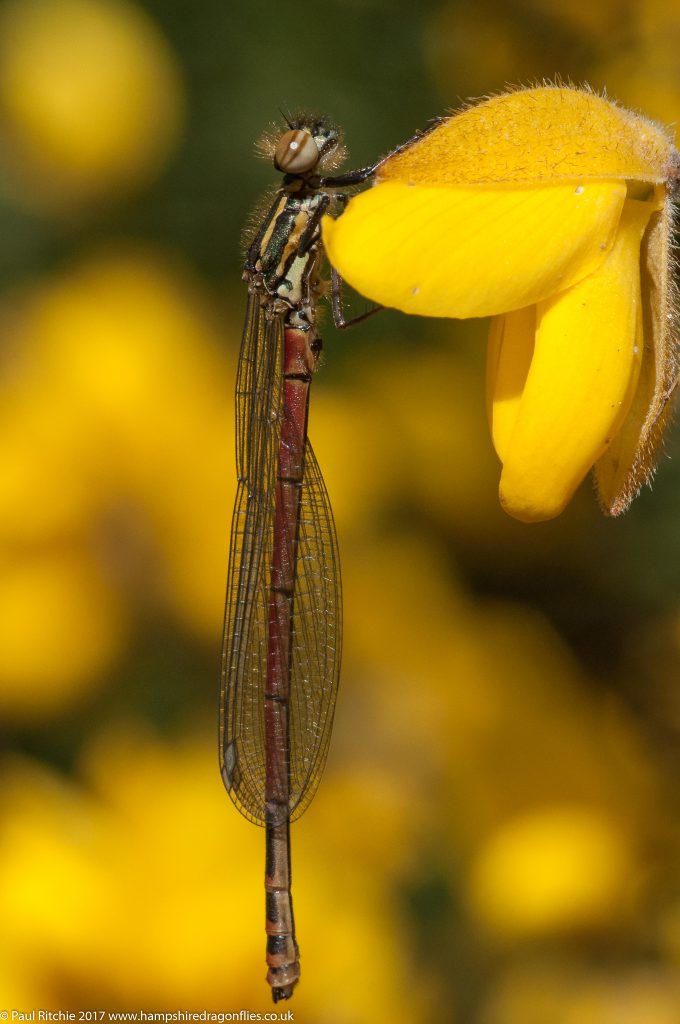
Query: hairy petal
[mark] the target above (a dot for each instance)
(532, 135)
(630, 460)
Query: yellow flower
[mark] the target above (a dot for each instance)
(112, 421)
(114, 888)
(548, 209)
(91, 100)
(553, 869)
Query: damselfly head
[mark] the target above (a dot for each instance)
(307, 143)
(297, 152)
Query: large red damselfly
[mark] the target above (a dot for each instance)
(282, 635)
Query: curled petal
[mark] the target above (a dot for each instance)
(463, 252)
(581, 380)
(509, 355)
(629, 461)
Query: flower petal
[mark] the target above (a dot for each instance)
(511, 349)
(580, 384)
(533, 135)
(462, 252)
(629, 461)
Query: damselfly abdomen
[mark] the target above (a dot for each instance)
(282, 636)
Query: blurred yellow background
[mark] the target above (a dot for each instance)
(497, 837)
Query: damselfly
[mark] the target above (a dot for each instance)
(282, 636)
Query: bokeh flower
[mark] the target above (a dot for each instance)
(91, 100)
(552, 869)
(133, 885)
(548, 209)
(113, 428)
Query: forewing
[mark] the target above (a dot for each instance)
(316, 639)
(244, 651)
(316, 622)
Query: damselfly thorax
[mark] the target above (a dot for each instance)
(283, 265)
(284, 260)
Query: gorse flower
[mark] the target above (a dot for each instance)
(550, 210)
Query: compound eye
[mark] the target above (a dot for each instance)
(296, 153)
